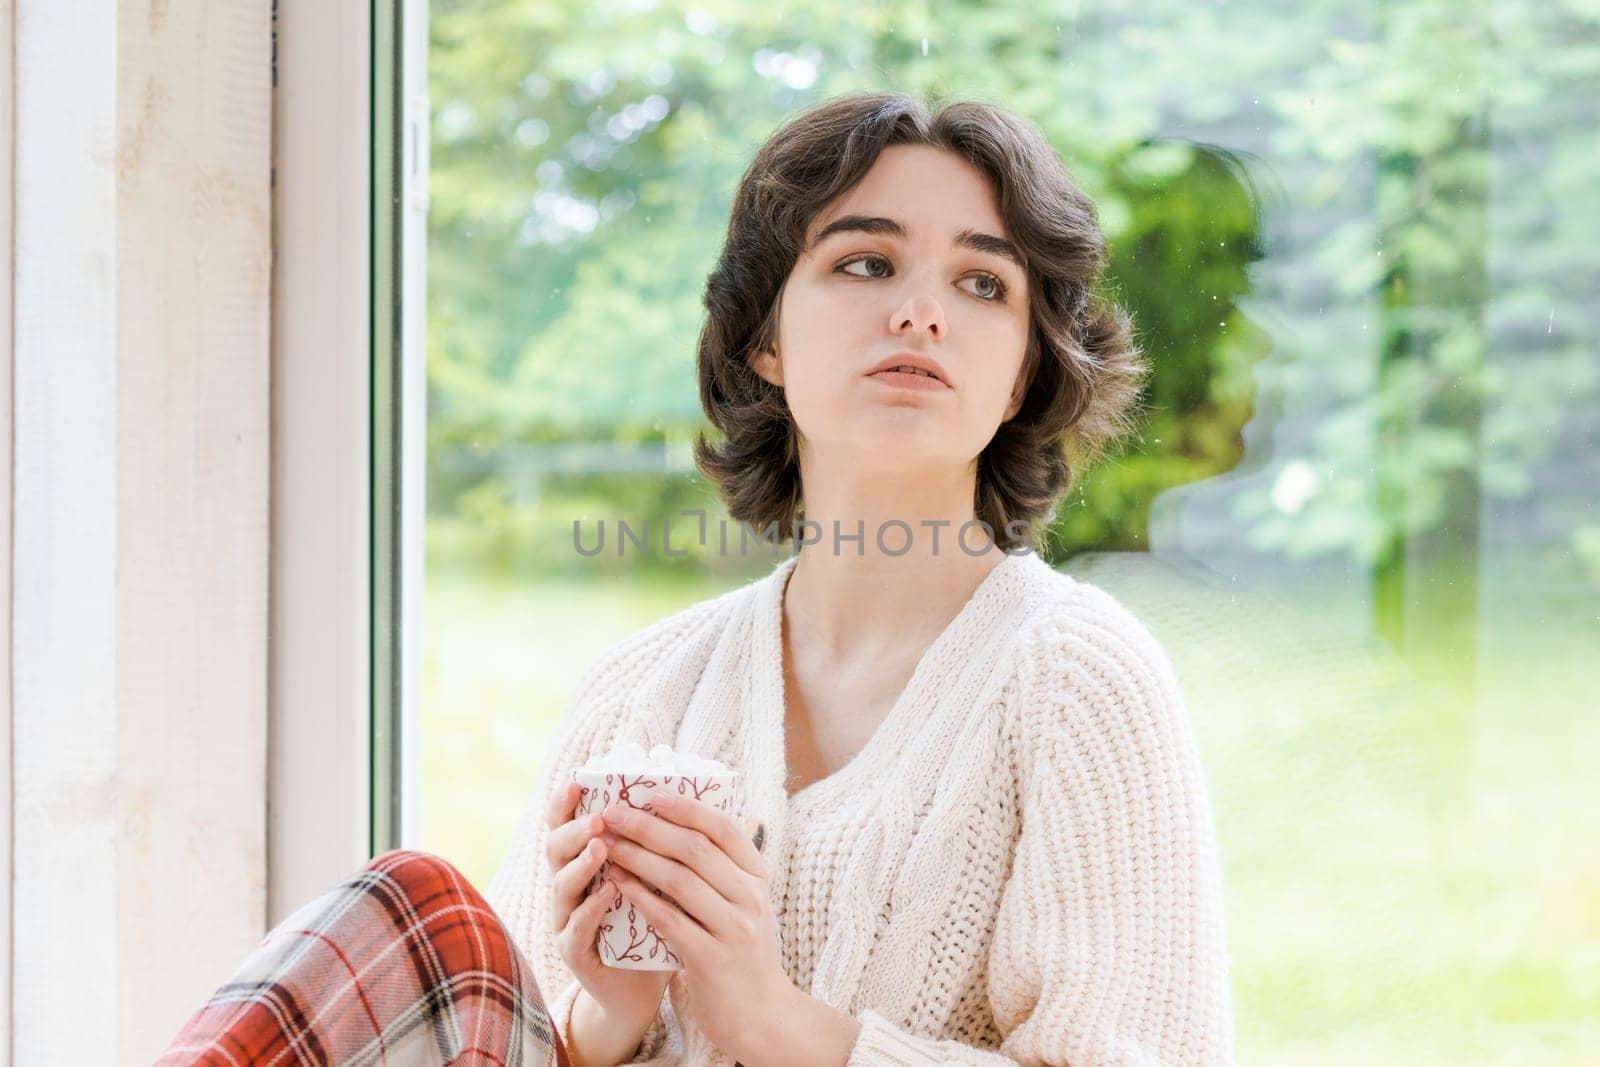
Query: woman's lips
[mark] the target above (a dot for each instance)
(900, 379)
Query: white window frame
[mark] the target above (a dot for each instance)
(137, 358)
(349, 434)
(319, 774)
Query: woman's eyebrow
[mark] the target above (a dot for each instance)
(877, 224)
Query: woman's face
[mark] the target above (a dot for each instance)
(913, 260)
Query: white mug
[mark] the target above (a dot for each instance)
(625, 939)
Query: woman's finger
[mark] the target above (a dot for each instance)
(577, 938)
(698, 837)
(562, 805)
(566, 892)
(693, 895)
(689, 939)
(585, 922)
(737, 842)
(565, 841)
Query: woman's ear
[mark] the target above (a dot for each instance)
(766, 363)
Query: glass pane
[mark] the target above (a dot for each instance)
(1357, 241)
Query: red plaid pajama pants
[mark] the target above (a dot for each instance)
(402, 964)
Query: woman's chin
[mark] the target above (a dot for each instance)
(908, 449)
(886, 436)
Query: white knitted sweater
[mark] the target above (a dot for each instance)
(1020, 866)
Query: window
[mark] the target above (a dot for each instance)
(1361, 514)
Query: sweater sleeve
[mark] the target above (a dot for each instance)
(1108, 946)
(520, 891)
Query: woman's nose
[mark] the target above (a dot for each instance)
(918, 311)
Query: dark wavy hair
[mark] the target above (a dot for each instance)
(1086, 370)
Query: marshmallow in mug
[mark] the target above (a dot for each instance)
(631, 758)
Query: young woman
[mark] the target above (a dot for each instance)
(987, 837)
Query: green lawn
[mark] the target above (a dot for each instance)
(1409, 848)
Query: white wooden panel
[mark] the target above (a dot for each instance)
(64, 649)
(141, 481)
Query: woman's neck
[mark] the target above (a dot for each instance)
(891, 552)
(846, 605)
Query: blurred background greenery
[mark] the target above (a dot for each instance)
(1358, 240)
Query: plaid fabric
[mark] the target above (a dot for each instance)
(403, 964)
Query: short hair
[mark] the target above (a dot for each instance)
(1086, 370)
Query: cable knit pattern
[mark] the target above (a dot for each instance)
(1019, 867)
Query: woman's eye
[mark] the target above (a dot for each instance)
(990, 287)
(870, 261)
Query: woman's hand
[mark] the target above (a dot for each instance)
(629, 997)
(718, 919)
